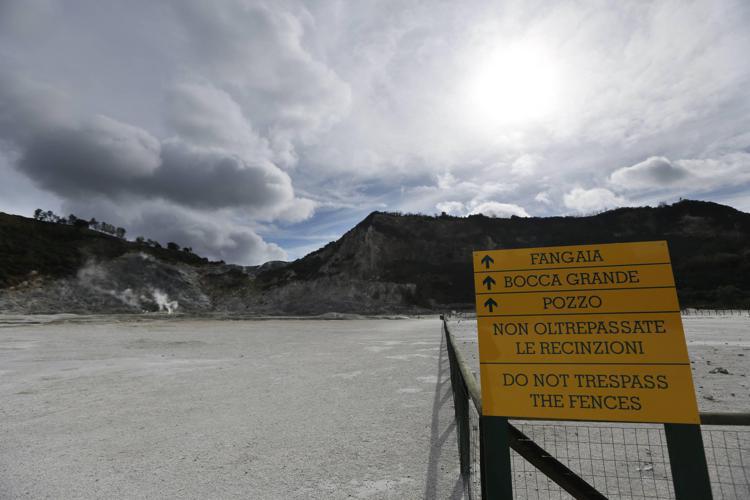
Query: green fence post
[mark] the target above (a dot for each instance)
(496, 478)
(687, 459)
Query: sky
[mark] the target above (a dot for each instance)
(255, 131)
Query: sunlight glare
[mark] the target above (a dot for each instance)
(513, 85)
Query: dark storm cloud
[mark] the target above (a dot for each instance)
(102, 157)
(106, 157)
(205, 178)
(176, 189)
(224, 165)
(656, 171)
(28, 107)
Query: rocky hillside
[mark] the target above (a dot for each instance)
(387, 263)
(431, 256)
(47, 267)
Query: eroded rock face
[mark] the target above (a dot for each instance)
(129, 284)
(137, 282)
(133, 282)
(709, 245)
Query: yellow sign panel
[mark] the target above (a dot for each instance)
(592, 278)
(612, 254)
(590, 332)
(620, 338)
(614, 393)
(580, 302)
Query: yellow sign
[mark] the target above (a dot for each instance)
(614, 254)
(592, 278)
(589, 332)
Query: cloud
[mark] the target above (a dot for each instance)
(451, 194)
(496, 209)
(211, 178)
(586, 201)
(204, 115)
(213, 234)
(525, 165)
(260, 112)
(542, 197)
(102, 156)
(239, 91)
(107, 157)
(686, 176)
(729, 170)
(451, 207)
(208, 234)
(654, 172)
(28, 106)
(658, 178)
(215, 163)
(477, 202)
(255, 52)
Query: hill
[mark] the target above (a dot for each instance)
(388, 263)
(58, 250)
(47, 267)
(709, 245)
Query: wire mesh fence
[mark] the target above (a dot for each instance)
(628, 461)
(728, 456)
(475, 472)
(715, 312)
(619, 461)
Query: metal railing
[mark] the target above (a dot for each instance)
(591, 459)
(715, 312)
(467, 403)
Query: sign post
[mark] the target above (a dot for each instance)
(496, 473)
(589, 332)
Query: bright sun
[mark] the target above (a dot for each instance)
(513, 85)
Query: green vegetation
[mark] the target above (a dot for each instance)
(72, 220)
(52, 246)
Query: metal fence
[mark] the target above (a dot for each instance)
(467, 405)
(715, 312)
(561, 460)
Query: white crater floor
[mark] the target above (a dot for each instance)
(182, 408)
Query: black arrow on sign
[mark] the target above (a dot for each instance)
(488, 282)
(487, 260)
(490, 304)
